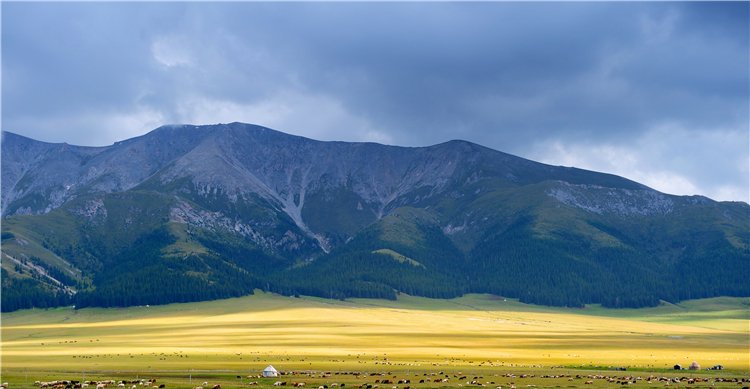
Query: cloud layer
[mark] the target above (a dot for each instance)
(656, 92)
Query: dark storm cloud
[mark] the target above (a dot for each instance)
(59, 57)
(620, 87)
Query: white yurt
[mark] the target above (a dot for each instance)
(269, 371)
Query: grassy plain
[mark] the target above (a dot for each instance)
(474, 335)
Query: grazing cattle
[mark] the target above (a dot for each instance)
(161, 386)
(217, 386)
(205, 383)
(98, 386)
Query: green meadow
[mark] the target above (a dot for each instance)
(473, 336)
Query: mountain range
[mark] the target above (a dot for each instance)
(187, 213)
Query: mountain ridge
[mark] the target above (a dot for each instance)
(229, 199)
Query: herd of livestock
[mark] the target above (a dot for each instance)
(73, 384)
(383, 381)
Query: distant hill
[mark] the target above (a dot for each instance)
(188, 213)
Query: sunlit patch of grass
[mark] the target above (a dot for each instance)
(398, 257)
(224, 334)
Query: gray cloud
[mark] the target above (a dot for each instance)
(656, 92)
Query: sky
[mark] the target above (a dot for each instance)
(655, 92)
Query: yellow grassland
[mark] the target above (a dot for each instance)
(250, 331)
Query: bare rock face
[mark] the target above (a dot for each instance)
(235, 160)
(623, 202)
(295, 176)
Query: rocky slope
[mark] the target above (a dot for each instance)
(210, 204)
